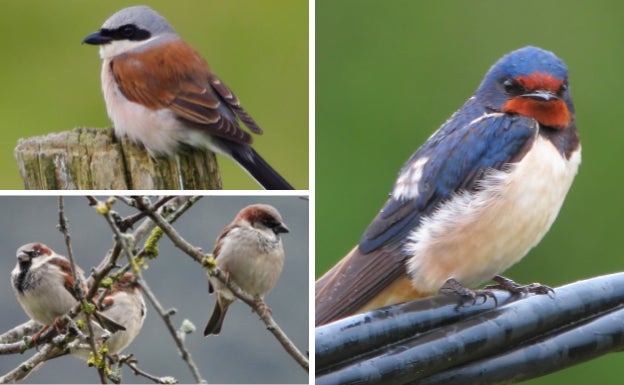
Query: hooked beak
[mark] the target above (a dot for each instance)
(96, 38)
(545, 96)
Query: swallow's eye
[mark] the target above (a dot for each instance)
(512, 87)
(563, 88)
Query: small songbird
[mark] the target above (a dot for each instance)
(474, 199)
(126, 306)
(160, 92)
(250, 252)
(123, 304)
(43, 284)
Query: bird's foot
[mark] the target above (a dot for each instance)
(262, 307)
(35, 337)
(515, 288)
(453, 287)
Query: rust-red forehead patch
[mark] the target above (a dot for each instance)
(540, 81)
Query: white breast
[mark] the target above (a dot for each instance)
(158, 130)
(253, 258)
(477, 235)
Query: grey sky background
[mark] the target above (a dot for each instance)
(244, 352)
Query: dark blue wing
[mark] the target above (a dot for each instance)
(454, 159)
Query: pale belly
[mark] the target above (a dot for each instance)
(478, 235)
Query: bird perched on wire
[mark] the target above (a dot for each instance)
(160, 92)
(250, 252)
(473, 199)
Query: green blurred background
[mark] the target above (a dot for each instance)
(50, 82)
(389, 73)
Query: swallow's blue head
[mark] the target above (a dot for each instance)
(530, 82)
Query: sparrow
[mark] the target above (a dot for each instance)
(473, 199)
(160, 92)
(249, 251)
(44, 286)
(123, 304)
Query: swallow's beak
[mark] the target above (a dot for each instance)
(541, 95)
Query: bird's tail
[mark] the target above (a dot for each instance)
(259, 169)
(218, 315)
(358, 283)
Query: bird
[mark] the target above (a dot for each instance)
(250, 252)
(123, 304)
(159, 91)
(45, 288)
(473, 199)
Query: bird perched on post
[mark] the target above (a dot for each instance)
(473, 199)
(250, 252)
(160, 92)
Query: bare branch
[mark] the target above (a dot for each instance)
(131, 363)
(29, 327)
(166, 317)
(122, 242)
(78, 283)
(255, 303)
(28, 365)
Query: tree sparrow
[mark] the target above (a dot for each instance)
(250, 252)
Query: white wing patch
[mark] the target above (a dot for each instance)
(406, 186)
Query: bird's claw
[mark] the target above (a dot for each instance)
(515, 288)
(467, 296)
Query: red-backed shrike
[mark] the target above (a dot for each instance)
(159, 91)
(249, 250)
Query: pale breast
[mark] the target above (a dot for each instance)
(477, 235)
(158, 130)
(253, 260)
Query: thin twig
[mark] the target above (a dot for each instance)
(129, 221)
(28, 365)
(64, 228)
(128, 361)
(186, 355)
(29, 327)
(255, 303)
(166, 317)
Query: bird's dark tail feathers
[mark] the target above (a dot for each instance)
(216, 319)
(259, 169)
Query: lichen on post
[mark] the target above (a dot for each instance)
(95, 159)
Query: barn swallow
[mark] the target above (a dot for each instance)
(474, 198)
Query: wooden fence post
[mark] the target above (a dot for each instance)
(95, 159)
